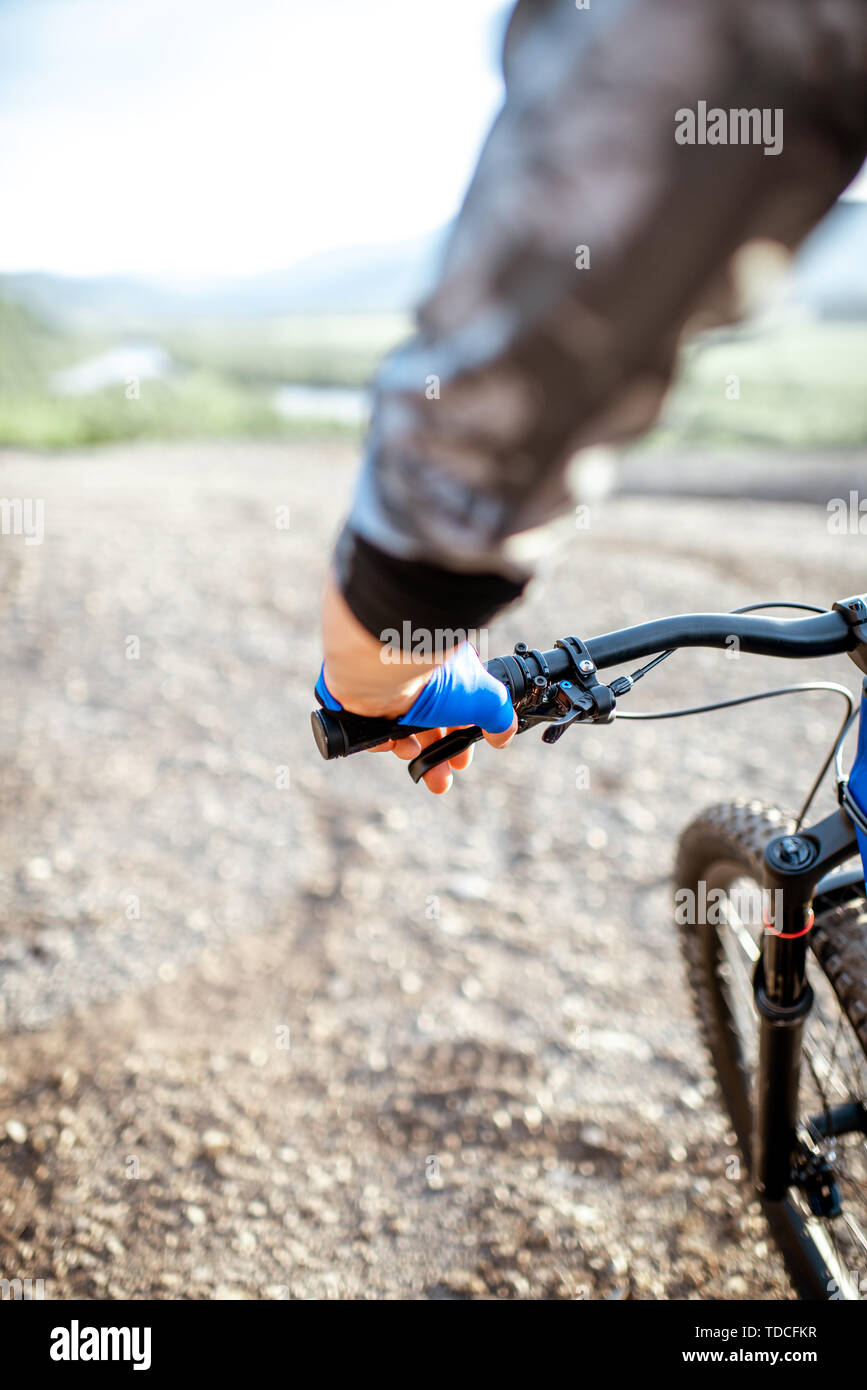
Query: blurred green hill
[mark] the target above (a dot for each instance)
(796, 384)
(220, 379)
(84, 361)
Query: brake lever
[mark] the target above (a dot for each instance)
(559, 707)
(459, 740)
(556, 704)
(449, 746)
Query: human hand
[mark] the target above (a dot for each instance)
(440, 695)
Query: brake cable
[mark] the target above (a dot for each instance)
(836, 753)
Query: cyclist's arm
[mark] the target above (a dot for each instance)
(520, 356)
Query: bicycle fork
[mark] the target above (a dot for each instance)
(794, 864)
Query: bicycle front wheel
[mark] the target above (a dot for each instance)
(720, 861)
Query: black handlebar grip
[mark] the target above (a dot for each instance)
(447, 747)
(339, 733)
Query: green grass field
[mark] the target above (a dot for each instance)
(222, 386)
(200, 405)
(800, 385)
(313, 349)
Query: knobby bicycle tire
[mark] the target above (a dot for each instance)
(731, 839)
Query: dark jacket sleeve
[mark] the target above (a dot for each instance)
(589, 240)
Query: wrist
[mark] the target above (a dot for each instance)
(356, 671)
(362, 694)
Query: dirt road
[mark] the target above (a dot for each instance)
(279, 1029)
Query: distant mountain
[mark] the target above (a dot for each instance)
(829, 278)
(372, 279)
(365, 279)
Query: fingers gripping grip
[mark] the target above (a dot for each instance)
(459, 691)
(458, 741)
(338, 733)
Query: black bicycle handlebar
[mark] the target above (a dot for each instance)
(825, 634)
(842, 629)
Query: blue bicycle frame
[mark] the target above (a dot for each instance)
(858, 782)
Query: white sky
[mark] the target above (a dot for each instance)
(231, 136)
(212, 136)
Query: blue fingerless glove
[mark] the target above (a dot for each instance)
(461, 691)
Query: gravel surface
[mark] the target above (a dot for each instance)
(275, 1028)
